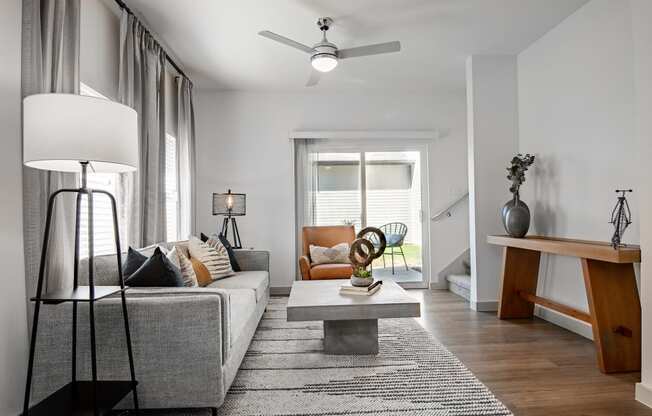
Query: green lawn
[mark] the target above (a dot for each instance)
(412, 255)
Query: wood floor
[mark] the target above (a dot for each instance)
(534, 367)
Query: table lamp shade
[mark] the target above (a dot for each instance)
(61, 130)
(229, 204)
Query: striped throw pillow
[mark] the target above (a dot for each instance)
(213, 255)
(184, 264)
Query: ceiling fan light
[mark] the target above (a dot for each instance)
(324, 62)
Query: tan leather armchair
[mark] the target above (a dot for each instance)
(326, 236)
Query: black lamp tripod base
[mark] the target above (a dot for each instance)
(94, 396)
(234, 229)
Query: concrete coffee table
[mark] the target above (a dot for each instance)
(350, 321)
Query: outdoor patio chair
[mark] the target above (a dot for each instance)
(395, 233)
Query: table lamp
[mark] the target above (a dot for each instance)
(70, 133)
(230, 205)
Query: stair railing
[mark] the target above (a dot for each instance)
(446, 212)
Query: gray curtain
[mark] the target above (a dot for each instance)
(186, 157)
(305, 192)
(142, 86)
(50, 63)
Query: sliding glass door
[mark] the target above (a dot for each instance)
(378, 185)
(339, 193)
(392, 202)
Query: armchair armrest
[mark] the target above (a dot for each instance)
(304, 265)
(252, 260)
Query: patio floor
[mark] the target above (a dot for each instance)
(400, 274)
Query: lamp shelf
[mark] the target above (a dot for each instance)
(76, 398)
(80, 294)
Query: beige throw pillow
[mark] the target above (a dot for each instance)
(214, 256)
(327, 255)
(184, 264)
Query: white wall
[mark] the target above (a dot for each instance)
(576, 107)
(242, 144)
(492, 141)
(642, 34)
(13, 318)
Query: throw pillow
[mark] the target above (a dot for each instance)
(213, 255)
(339, 253)
(157, 271)
(229, 250)
(184, 264)
(202, 273)
(134, 260)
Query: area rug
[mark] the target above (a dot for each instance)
(285, 373)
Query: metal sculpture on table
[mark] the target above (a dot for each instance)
(363, 253)
(621, 218)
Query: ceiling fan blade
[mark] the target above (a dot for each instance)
(285, 41)
(375, 49)
(315, 76)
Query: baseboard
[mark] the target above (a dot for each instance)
(484, 306)
(280, 290)
(565, 322)
(643, 394)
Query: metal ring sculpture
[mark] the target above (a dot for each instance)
(361, 258)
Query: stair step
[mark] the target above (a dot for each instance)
(462, 280)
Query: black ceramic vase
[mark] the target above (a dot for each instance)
(516, 217)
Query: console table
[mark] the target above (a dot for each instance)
(614, 305)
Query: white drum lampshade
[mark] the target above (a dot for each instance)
(62, 130)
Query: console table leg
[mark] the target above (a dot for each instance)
(616, 313)
(520, 274)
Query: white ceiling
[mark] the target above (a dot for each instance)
(218, 46)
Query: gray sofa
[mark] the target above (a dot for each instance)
(188, 343)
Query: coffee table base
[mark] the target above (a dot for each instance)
(356, 336)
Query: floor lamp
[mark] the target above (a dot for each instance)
(72, 133)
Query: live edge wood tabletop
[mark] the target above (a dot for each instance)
(614, 305)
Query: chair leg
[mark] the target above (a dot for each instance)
(384, 265)
(404, 261)
(392, 260)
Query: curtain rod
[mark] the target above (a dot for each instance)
(167, 57)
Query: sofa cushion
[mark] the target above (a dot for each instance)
(331, 271)
(242, 304)
(256, 280)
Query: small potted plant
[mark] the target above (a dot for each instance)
(361, 277)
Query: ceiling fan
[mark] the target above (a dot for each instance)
(325, 55)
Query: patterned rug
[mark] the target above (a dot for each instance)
(285, 374)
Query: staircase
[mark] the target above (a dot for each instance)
(458, 275)
(458, 272)
(460, 284)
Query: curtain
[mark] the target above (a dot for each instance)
(141, 85)
(186, 156)
(305, 180)
(50, 64)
